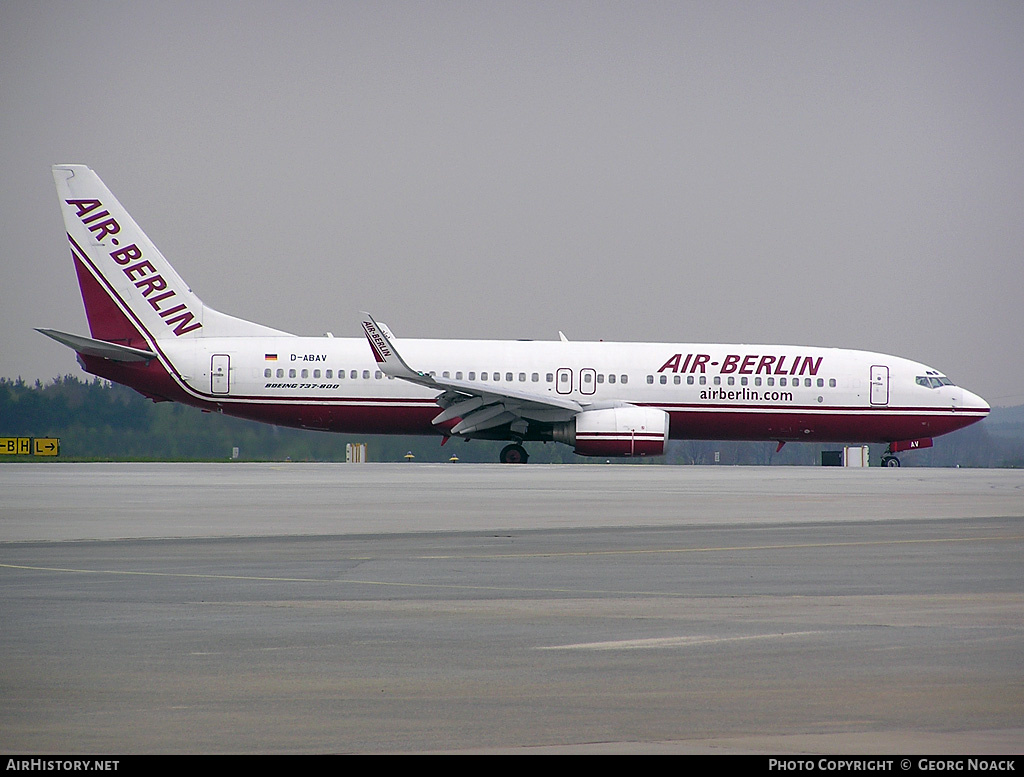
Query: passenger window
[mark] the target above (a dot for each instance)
(267, 373)
(718, 380)
(291, 373)
(549, 377)
(807, 382)
(600, 377)
(329, 374)
(732, 381)
(366, 374)
(689, 380)
(316, 373)
(378, 375)
(280, 373)
(832, 382)
(821, 382)
(664, 379)
(677, 380)
(305, 374)
(458, 375)
(508, 377)
(611, 378)
(624, 379)
(535, 377)
(522, 377)
(650, 379)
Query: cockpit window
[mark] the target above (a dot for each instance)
(932, 382)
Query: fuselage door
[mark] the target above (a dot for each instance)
(563, 380)
(588, 380)
(220, 372)
(879, 384)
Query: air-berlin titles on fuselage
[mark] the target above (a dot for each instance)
(139, 270)
(751, 364)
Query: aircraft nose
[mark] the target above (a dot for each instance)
(973, 402)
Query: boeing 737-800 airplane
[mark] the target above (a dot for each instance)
(150, 332)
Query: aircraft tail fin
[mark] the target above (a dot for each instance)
(132, 295)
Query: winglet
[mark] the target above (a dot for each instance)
(387, 357)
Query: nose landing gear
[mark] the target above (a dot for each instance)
(889, 458)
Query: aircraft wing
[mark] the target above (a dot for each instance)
(479, 405)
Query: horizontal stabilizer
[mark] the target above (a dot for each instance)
(100, 348)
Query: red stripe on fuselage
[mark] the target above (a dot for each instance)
(826, 425)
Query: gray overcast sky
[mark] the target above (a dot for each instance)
(831, 173)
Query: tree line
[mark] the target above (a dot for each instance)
(101, 421)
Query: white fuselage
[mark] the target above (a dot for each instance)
(710, 391)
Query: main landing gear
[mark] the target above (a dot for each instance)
(514, 454)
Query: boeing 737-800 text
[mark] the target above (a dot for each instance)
(149, 331)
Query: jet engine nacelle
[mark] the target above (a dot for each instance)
(616, 431)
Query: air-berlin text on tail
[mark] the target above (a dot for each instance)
(139, 270)
(743, 364)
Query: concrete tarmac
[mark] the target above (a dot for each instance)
(311, 608)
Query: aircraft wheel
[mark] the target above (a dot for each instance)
(890, 461)
(514, 454)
